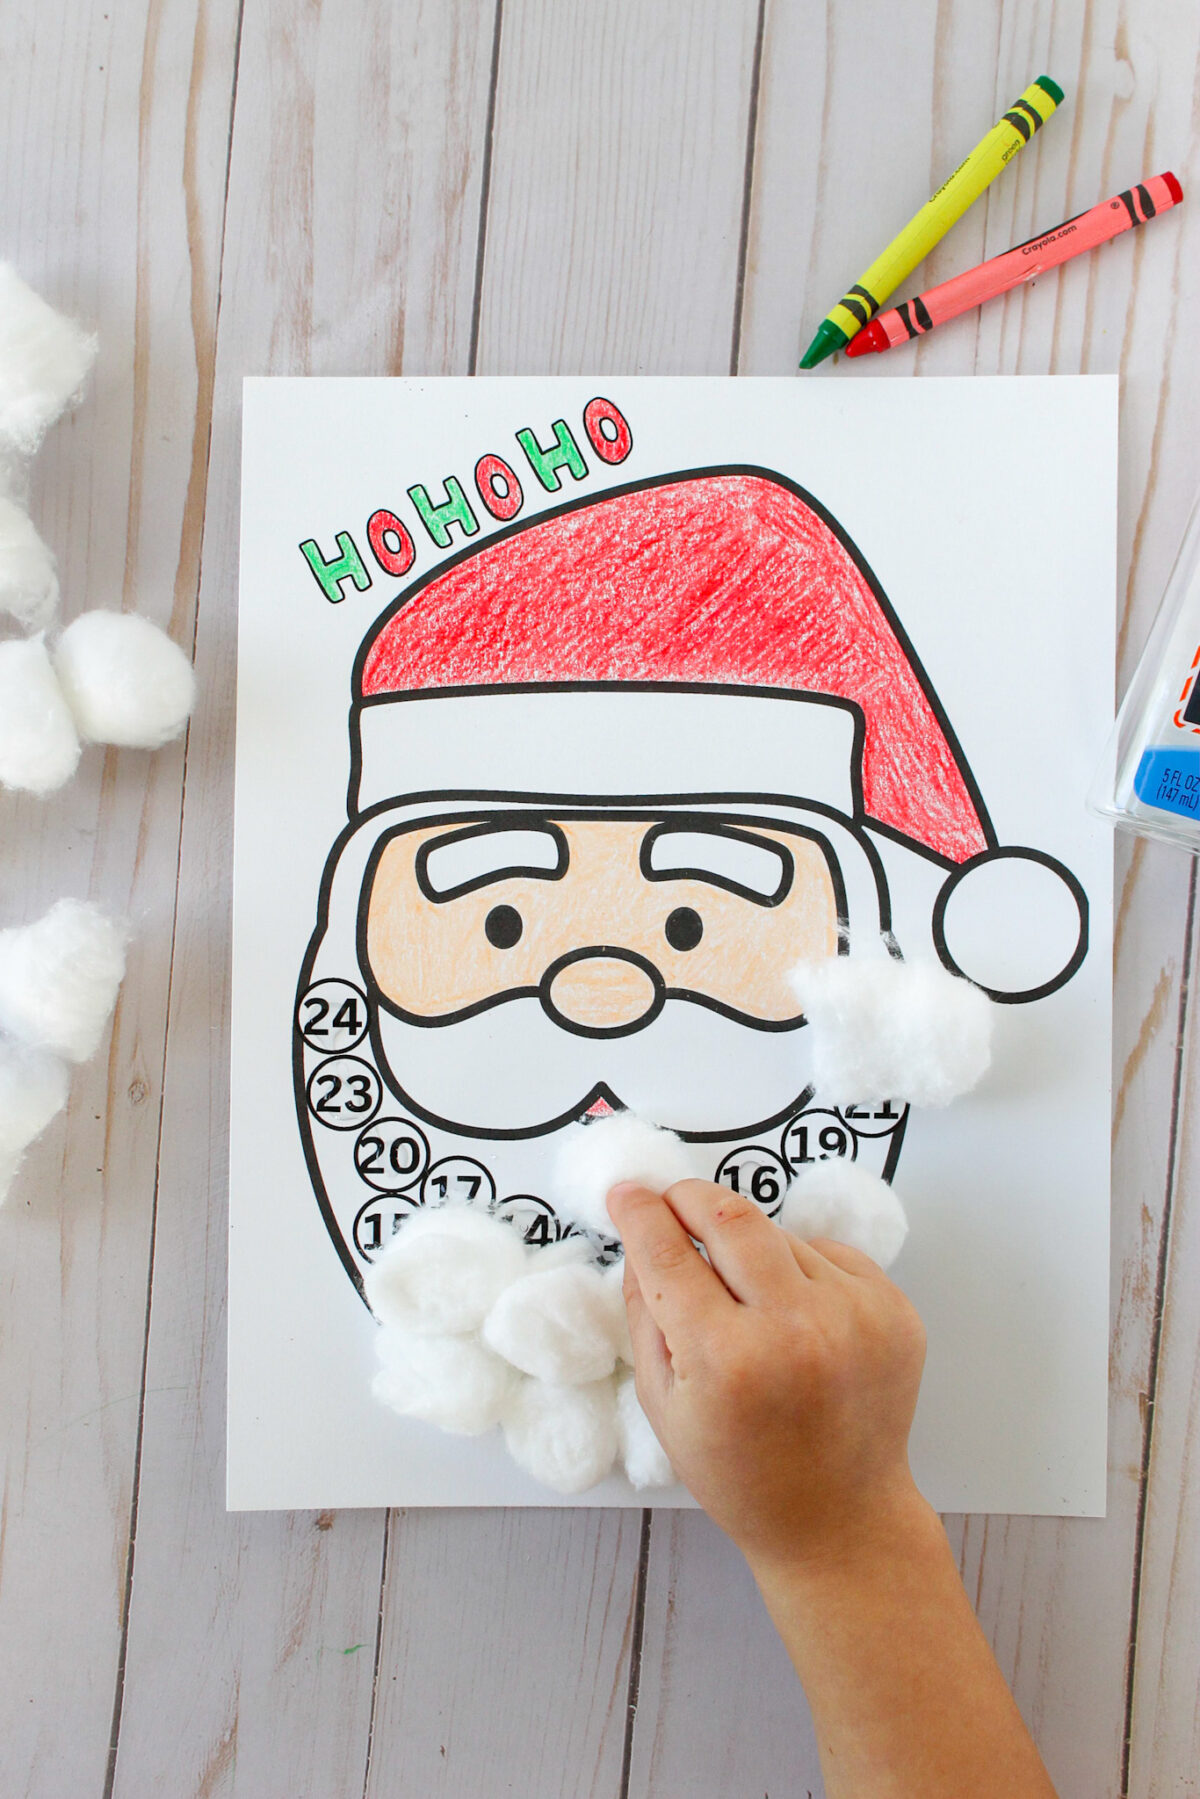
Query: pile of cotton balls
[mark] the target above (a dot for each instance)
(109, 677)
(477, 1330)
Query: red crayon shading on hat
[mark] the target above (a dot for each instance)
(1087, 231)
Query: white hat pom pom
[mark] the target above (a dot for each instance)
(44, 361)
(594, 1157)
(884, 1029)
(565, 1437)
(124, 680)
(444, 1270)
(846, 1204)
(645, 1460)
(1045, 913)
(59, 978)
(28, 578)
(39, 746)
(452, 1382)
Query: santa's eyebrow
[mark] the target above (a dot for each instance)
(739, 861)
(474, 857)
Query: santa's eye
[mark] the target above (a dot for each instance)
(503, 926)
(684, 928)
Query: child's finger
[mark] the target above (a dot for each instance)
(681, 1293)
(820, 1257)
(744, 1246)
(651, 1357)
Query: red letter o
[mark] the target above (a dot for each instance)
(395, 557)
(498, 487)
(614, 444)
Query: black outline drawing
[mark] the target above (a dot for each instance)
(543, 818)
(504, 873)
(713, 828)
(1015, 852)
(671, 811)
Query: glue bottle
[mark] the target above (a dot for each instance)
(1149, 780)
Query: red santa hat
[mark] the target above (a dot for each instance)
(710, 633)
(702, 583)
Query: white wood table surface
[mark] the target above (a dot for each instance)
(230, 187)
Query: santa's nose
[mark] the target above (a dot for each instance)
(602, 992)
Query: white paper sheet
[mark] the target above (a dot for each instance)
(985, 511)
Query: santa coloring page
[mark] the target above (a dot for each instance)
(573, 718)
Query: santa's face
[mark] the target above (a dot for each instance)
(520, 965)
(603, 920)
(481, 976)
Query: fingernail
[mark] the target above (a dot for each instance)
(623, 1187)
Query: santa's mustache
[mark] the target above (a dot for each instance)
(512, 1071)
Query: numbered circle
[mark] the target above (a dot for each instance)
(458, 1178)
(332, 1017)
(391, 1154)
(344, 1093)
(875, 1121)
(611, 1248)
(379, 1220)
(535, 1218)
(818, 1135)
(756, 1172)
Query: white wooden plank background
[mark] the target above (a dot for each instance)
(516, 186)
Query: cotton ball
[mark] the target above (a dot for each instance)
(847, 1204)
(444, 1270)
(566, 1252)
(644, 1458)
(620, 1147)
(614, 1293)
(39, 748)
(28, 580)
(124, 680)
(8, 1172)
(59, 978)
(884, 1029)
(557, 1324)
(453, 1382)
(566, 1437)
(44, 361)
(14, 475)
(33, 1090)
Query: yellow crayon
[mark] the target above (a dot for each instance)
(858, 307)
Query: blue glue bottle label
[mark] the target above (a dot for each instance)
(1149, 780)
(1170, 780)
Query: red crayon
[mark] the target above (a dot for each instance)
(1086, 231)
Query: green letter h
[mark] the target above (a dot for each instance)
(544, 463)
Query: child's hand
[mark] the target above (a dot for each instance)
(781, 1380)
